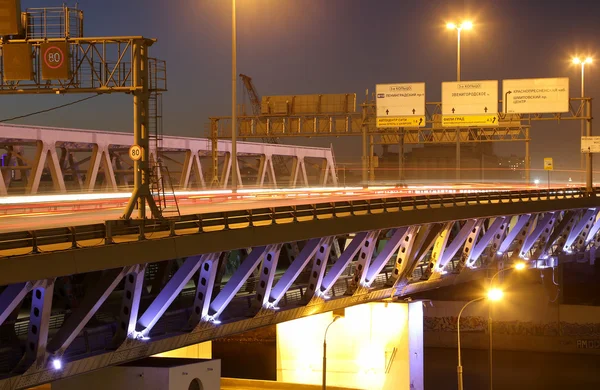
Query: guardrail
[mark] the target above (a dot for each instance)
(108, 231)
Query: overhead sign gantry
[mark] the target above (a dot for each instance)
(33, 63)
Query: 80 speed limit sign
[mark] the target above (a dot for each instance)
(135, 152)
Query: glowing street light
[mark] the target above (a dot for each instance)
(467, 25)
(583, 62)
(492, 295)
(495, 294)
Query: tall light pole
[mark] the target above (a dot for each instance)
(518, 267)
(463, 26)
(492, 295)
(234, 165)
(582, 62)
(325, 352)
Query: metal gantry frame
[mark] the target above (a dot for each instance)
(104, 65)
(418, 248)
(511, 128)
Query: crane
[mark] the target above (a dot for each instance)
(255, 103)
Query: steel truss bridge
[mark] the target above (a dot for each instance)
(157, 285)
(87, 160)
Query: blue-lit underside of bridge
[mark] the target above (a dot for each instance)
(99, 295)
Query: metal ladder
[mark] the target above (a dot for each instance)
(163, 191)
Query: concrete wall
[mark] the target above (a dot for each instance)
(370, 348)
(527, 319)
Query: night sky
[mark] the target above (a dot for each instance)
(336, 46)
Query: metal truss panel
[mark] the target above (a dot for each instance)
(466, 255)
(205, 287)
(364, 258)
(130, 304)
(458, 241)
(590, 236)
(295, 268)
(544, 224)
(434, 268)
(102, 144)
(514, 232)
(406, 245)
(39, 319)
(11, 297)
(236, 282)
(336, 270)
(384, 256)
(267, 275)
(164, 299)
(493, 236)
(584, 224)
(423, 243)
(319, 266)
(561, 232)
(522, 235)
(94, 298)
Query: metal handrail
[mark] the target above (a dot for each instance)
(110, 230)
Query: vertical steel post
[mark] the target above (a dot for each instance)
(371, 159)
(141, 96)
(582, 162)
(401, 156)
(457, 129)
(365, 165)
(589, 182)
(234, 169)
(527, 158)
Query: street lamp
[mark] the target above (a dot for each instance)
(463, 26)
(582, 62)
(325, 352)
(493, 295)
(519, 266)
(234, 164)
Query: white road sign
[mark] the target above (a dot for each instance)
(400, 105)
(535, 96)
(470, 97)
(590, 144)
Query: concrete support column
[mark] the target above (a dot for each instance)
(376, 346)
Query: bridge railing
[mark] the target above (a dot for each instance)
(115, 231)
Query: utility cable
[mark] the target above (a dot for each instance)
(49, 109)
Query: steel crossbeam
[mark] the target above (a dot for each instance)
(341, 264)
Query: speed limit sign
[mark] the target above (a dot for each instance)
(135, 152)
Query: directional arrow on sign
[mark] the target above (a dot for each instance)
(453, 110)
(420, 120)
(494, 120)
(414, 111)
(485, 109)
(387, 112)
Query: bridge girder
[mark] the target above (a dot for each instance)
(192, 309)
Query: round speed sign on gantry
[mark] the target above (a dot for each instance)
(56, 62)
(135, 152)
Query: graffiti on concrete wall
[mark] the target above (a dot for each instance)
(479, 324)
